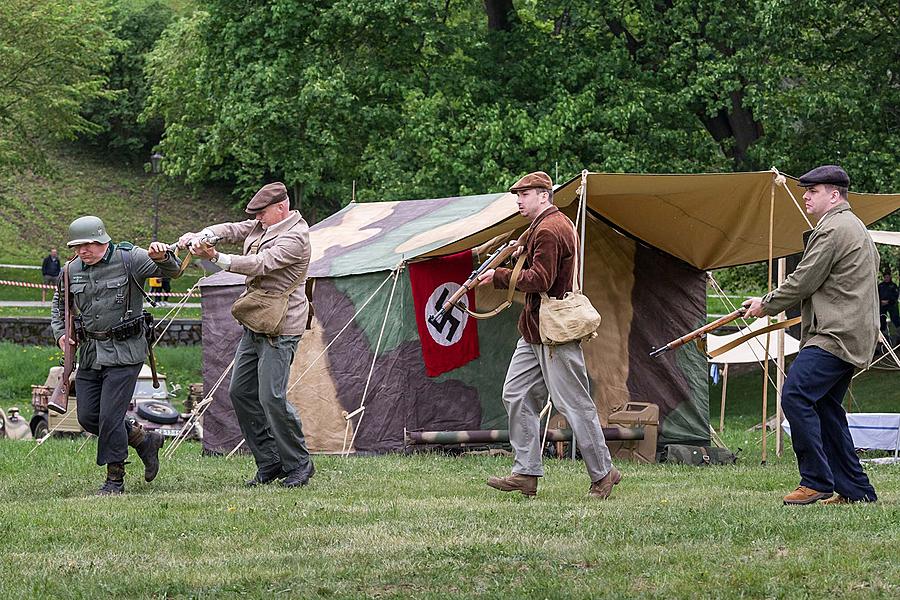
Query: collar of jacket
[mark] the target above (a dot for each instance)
(544, 215)
(280, 227)
(839, 207)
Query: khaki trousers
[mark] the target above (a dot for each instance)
(534, 371)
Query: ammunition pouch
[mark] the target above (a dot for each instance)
(128, 329)
(78, 326)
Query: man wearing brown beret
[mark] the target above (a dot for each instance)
(535, 369)
(835, 284)
(275, 260)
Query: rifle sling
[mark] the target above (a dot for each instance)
(767, 329)
(514, 278)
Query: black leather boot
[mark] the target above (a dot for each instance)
(148, 445)
(115, 480)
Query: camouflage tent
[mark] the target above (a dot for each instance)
(649, 240)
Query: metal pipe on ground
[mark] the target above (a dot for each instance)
(489, 436)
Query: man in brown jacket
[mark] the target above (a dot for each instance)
(537, 370)
(835, 284)
(276, 257)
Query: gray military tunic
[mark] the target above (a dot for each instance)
(101, 294)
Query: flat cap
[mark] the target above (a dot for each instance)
(538, 179)
(830, 174)
(267, 194)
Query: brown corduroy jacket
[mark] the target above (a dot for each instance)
(551, 251)
(273, 259)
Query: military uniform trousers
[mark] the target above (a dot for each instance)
(534, 371)
(811, 399)
(103, 397)
(258, 390)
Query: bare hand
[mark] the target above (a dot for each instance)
(62, 343)
(203, 250)
(486, 278)
(185, 240)
(157, 250)
(754, 307)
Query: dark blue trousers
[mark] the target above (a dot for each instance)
(811, 399)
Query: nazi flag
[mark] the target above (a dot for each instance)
(453, 341)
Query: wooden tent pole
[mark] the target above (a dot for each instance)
(765, 398)
(724, 391)
(779, 377)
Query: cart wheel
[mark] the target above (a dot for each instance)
(158, 412)
(39, 427)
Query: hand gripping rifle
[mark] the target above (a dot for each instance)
(499, 256)
(207, 240)
(59, 401)
(690, 337)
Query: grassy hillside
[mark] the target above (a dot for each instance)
(35, 210)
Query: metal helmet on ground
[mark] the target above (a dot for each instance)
(84, 230)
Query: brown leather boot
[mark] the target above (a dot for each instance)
(115, 480)
(602, 488)
(805, 495)
(527, 484)
(148, 445)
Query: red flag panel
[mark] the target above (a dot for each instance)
(453, 341)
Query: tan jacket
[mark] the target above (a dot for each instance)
(836, 286)
(273, 259)
(551, 247)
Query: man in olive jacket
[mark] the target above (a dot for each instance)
(835, 284)
(275, 257)
(535, 369)
(106, 287)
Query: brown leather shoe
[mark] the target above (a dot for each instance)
(602, 488)
(805, 495)
(527, 484)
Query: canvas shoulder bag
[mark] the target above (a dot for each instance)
(263, 311)
(570, 318)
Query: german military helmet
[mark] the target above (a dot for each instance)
(85, 230)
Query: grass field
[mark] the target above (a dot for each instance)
(426, 526)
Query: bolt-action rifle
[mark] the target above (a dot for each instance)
(497, 258)
(702, 331)
(59, 401)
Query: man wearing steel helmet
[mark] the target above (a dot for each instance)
(275, 259)
(535, 369)
(835, 284)
(106, 286)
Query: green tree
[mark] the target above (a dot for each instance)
(138, 25)
(52, 59)
(426, 98)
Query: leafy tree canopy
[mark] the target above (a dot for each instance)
(426, 98)
(52, 59)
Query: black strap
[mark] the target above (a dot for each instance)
(126, 262)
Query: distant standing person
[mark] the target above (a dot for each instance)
(887, 298)
(50, 269)
(835, 287)
(106, 283)
(275, 258)
(535, 369)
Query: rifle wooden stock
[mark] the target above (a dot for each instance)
(497, 258)
(59, 401)
(690, 337)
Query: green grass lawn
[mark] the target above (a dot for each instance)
(427, 526)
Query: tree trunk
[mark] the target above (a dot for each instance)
(501, 14)
(738, 125)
